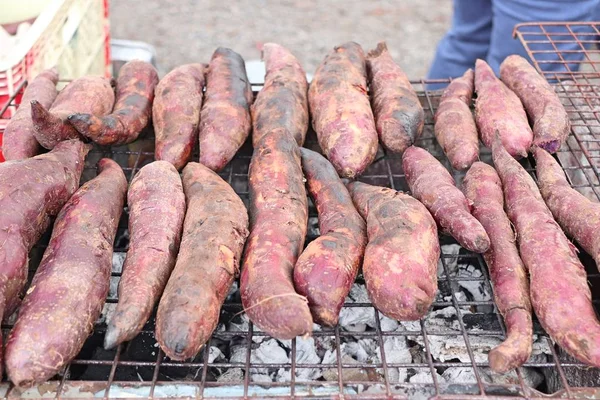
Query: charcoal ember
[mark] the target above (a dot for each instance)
(357, 319)
(476, 290)
(450, 254)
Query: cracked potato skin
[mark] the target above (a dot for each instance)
(214, 232)
(341, 111)
(483, 188)
(327, 268)
(70, 286)
(176, 114)
(156, 205)
(400, 263)
(132, 112)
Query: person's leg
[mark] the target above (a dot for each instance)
(467, 40)
(508, 13)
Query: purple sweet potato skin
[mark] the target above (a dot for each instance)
(156, 210)
(560, 294)
(577, 215)
(433, 186)
(551, 124)
(455, 128)
(225, 120)
(283, 100)
(214, 233)
(89, 94)
(341, 112)
(176, 113)
(19, 141)
(399, 116)
(327, 268)
(278, 224)
(483, 188)
(133, 109)
(71, 283)
(499, 110)
(400, 263)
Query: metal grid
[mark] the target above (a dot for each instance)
(139, 368)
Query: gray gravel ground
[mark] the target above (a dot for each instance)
(188, 31)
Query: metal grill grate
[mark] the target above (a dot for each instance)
(139, 368)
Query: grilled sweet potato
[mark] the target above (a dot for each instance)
(71, 283)
(577, 215)
(401, 257)
(133, 109)
(560, 294)
(156, 210)
(89, 94)
(551, 124)
(282, 102)
(326, 269)
(499, 110)
(455, 128)
(225, 119)
(399, 116)
(19, 141)
(483, 188)
(431, 184)
(341, 112)
(214, 233)
(176, 113)
(278, 223)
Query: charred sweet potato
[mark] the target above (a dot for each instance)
(19, 141)
(214, 233)
(225, 118)
(499, 110)
(578, 216)
(560, 294)
(133, 109)
(326, 269)
(483, 188)
(433, 185)
(283, 100)
(156, 210)
(176, 113)
(399, 116)
(401, 257)
(278, 223)
(551, 124)
(89, 94)
(71, 283)
(341, 112)
(455, 128)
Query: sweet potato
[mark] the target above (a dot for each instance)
(483, 188)
(401, 257)
(578, 216)
(278, 223)
(433, 185)
(225, 120)
(499, 110)
(70, 286)
(326, 269)
(214, 233)
(455, 128)
(283, 100)
(560, 294)
(341, 112)
(89, 94)
(176, 113)
(133, 109)
(19, 141)
(551, 124)
(156, 210)
(399, 116)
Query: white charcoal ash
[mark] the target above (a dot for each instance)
(530, 376)
(462, 375)
(306, 353)
(108, 310)
(348, 374)
(450, 254)
(313, 226)
(231, 375)
(214, 354)
(356, 319)
(424, 376)
(118, 259)
(478, 290)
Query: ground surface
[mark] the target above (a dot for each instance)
(189, 31)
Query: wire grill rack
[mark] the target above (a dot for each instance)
(140, 369)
